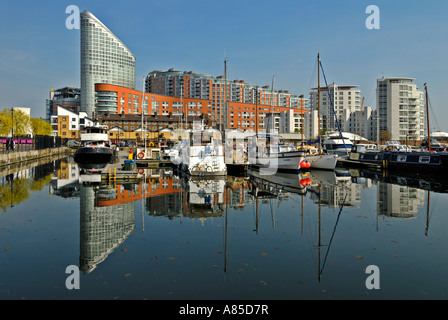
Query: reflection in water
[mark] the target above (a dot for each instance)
(102, 228)
(108, 210)
(107, 214)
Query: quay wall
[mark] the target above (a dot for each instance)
(30, 155)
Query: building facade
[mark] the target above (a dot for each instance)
(67, 97)
(401, 110)
(104, 59)
(69, 124)
(240, 115)
(218, 90)
(345, 98)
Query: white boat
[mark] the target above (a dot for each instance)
(396, 146)
(264, 153)
(321, 160)
(95, 146)
(338, 145)
(202, 153)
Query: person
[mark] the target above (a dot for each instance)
(13, 143)
(131, 155)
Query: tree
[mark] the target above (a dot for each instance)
(14, 119)
(385, 135)
(40, 127)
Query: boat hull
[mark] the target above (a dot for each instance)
(93, 155)
(322, 161)
(416, 162)
(282, 162)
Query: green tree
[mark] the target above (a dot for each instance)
(40, 127)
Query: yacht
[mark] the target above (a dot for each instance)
(95, 146)
(266, 154)
(202, 153)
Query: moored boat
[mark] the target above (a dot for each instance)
(95, 146)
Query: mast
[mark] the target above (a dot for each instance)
(427, 118)
(256, 110)
(272, 108)
(318, 101)
(301, 112)
(225, 111)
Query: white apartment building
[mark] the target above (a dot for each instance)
(104, 59)
(345, 98)
(310, 125)
(69, 121)
(400, 108)
(362, 123)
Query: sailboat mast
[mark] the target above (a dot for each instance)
(318, 101)
(427, 118)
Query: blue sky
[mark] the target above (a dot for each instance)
(261, 39)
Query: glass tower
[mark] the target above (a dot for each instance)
(104, 59)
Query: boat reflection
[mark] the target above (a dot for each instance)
(108, 209)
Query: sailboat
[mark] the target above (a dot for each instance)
(319, 159)
(266, 153)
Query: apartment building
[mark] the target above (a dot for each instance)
(218, 90)
(104, 59)
(401, 109)
(240, 115)
(69, 124)
(67, 97)
(345, 98)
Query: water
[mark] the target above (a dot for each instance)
(179, 240)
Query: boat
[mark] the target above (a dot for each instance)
(395, 158)
(95, 146)
(396, 146)
(336, 145)
(322, 160)
(267, 156)
(202, 153)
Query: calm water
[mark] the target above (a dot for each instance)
(239, 238)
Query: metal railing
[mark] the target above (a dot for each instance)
(27, 144)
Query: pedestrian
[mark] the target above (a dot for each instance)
(13, 143)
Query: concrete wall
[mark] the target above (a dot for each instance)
(22, 156)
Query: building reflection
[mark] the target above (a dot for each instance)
(108, 209)
(102, 228)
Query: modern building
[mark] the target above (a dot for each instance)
(104, 59)
(69, 124)
(401, 110)
(218, 90)
(345, 100)
(362, 123)
(67, 97)
(240, 115)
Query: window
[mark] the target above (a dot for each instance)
(424, 159)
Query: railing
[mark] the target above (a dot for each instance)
(28, 144)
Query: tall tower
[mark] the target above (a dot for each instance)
(104, 59)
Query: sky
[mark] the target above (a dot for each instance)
(261, 40)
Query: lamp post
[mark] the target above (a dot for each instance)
(12, 123)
